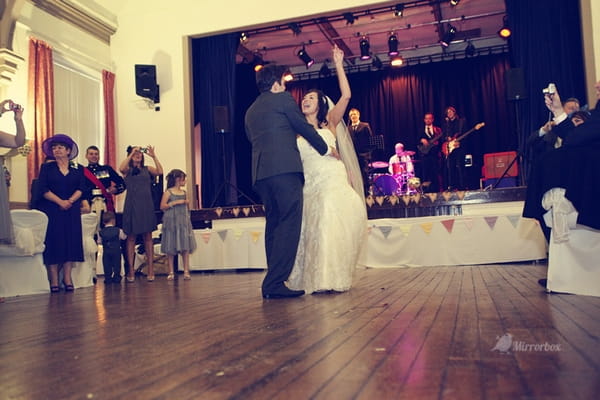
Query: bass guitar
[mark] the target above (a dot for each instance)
(454, 143)
(424, 148)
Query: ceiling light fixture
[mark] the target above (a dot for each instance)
(295, 27)
(470, 50)
(454, 2)
(350, 18)
(399, 10)
(288, 77)
(364, 49)
(448, 36)
(258, 62)
(306, 59)
(377, 62)
(324, 72)
(397, 61)
(505, 31)
(393, 45)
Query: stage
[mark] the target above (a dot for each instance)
(449, 228)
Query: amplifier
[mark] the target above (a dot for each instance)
(494, 164)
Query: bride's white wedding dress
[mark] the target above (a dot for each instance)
(333, 223)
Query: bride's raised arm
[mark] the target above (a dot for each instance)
(339, 109)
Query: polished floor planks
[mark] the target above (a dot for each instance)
(415, 333)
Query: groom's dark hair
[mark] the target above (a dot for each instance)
(268, 75)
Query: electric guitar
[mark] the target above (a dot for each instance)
(424, 148)
(454, 143)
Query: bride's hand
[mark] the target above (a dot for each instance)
(334, 153)
(338, 55)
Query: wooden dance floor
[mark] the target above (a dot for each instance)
(413, 333)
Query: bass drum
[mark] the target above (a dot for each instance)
(385, 185)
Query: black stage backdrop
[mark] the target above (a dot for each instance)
(546, 45)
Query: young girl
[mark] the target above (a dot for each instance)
(177, 233)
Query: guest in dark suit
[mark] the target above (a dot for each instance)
(361, 137)
(272, 123)
(429, 155)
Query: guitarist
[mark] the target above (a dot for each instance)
(429, 154)
(454, 154)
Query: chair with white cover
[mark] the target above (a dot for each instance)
(573, 250)
(22, 269)
(83, 273)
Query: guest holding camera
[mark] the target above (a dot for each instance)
(61, 184)
(10, 141)
(138, 212)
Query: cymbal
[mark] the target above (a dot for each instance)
(378, 164)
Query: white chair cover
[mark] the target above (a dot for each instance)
(574, 249)
(83, 273)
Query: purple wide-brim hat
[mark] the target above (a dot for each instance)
(62, 139)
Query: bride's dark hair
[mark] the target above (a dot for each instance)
(323, 107)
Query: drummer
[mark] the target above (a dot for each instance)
(401, 162)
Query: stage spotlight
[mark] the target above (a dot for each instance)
(377, 62)
(454, 2)
(470, 50)
(288, 77)
(397, 61)
(243, 37)
(295, 27)
(448, 36)
(324, 72)
(258, 62)
(393, 45)
(505, 31)
(398, 10)
(350, 18)
(364, 49)
(306, 59)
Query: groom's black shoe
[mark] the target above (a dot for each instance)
(282, 292)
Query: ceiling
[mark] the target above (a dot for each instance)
(418, 30)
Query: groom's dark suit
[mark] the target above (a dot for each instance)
(272, 123)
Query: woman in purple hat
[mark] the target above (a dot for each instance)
(62, 183)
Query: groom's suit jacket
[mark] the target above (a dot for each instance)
(272, 123)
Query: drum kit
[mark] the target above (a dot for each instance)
(401, 181)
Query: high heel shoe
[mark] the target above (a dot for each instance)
(54, 289)
(171, 276)
(131, 279)
(187, 277)
(150, 278)
(69, 288)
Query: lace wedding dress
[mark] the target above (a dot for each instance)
(333, 223)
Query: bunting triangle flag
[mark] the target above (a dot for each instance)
(246, 211)
(405, 229)
(206, 237)
(432, 196)
(406, 199)
(255, 235)
(237, 233)
(393, 199)
(379, 200)
(468, 223)
(461, 194)
(223, 234)
(370, 201)
(491, 221)
(427, 226)
(236, 211)
(385, 230)
(448, 224)
(514, 219)
(219, 211)
(446, 195)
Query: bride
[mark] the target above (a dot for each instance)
(334, 214)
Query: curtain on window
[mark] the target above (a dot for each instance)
(110, 146)
(41, 102)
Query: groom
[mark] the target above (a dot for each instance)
(272, 123)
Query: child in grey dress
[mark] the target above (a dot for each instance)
(177, 233)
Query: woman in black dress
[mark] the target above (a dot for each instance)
(62, 183)
(138, 211)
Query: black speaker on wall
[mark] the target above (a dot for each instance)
(145, 82)
(221, 119)
(515, 84)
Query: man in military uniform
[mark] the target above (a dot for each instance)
(104, 181)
